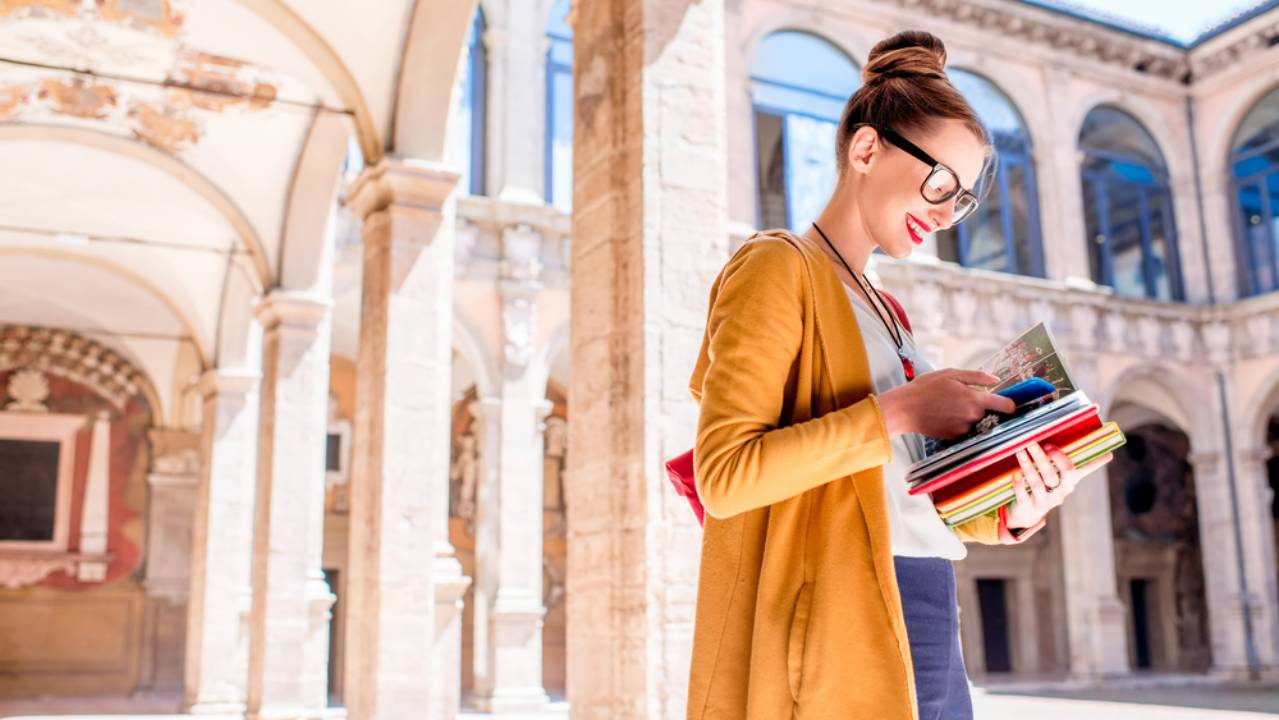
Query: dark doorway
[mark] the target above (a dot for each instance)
(335, 639)
(1141, 622)
(992, 595)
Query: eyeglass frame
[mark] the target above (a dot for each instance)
(919, 154)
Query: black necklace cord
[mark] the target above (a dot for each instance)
(880, 306)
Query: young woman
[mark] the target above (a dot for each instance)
(826, 590)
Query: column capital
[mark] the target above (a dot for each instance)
(488, 404)
(286, 307)
(407, 183)
(1204, 461)
(542, 409)
(1258, 454)
(227, 381)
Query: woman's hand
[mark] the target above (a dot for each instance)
(941, 404)
(1047, 476)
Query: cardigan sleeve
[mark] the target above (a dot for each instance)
(754, 333)
(983, 529)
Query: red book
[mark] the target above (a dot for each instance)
(1000, 460)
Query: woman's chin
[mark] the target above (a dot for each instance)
(899, 250)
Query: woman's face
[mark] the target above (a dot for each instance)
(894, 212)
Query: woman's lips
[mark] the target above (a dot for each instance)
(915, 237)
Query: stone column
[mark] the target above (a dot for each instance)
(289, 622)
(1061, 203)
(173, 484)
(221, 545)
(513, 678)
(1227, 604)
(1097, 632)
(1258, 532)
(517, 116)
(1097, 628)
(403, 580)
(649, 228)
(487, 412)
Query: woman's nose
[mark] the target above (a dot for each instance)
(941, 216)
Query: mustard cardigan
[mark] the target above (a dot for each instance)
(798, 613)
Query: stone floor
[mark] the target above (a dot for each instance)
(1193, 701)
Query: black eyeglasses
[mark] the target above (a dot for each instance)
(942, 183)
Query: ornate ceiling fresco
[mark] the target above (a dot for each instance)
(124, 66)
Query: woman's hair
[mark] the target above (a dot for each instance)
(904, 88)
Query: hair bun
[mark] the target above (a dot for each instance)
(908, 54)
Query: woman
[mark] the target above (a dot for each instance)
(826, 590)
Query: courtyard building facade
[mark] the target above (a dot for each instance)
(341, 349)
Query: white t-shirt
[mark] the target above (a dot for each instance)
(917, 530)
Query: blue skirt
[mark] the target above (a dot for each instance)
(927, 587)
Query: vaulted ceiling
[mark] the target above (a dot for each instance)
(151, 150)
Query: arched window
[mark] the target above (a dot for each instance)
(799, 84)
(1255, 161)
(559, 109)
(1132, 241)
(468, 132)
(1004, 233)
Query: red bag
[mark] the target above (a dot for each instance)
(680, 469)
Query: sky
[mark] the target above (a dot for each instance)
(1182, 20)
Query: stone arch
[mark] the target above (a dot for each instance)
(1147, 116)
(81, 359)
(847, 38)
(428, 75)
(470, 345)
(1026, 107)
(165, 163)
(1168, 392)
(179, 313)
(283, 18)
(306, 243)
(556, 347)
(1263, 402)
(1157, 404)
(1217, 148)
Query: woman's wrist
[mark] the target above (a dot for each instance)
(896, 419)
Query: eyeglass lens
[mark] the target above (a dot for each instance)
(941, 185)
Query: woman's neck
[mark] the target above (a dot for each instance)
(843, 223)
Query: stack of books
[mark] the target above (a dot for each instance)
(974, 475)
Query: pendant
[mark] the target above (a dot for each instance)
(908, 366)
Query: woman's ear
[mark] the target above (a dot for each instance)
(863, 148)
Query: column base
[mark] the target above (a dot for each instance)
(513, 701)
(1242, 674)
(216, 710)
(328, 713)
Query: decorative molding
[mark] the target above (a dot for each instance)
(482, 249)
(1075, 36)
(22, 570)
(28, 389)
(520, 281)
(75, 357)
(1092, 41)
(1208, 62)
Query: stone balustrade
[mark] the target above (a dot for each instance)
(485, 226)
(947, 300)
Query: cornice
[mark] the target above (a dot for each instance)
(1082, 38)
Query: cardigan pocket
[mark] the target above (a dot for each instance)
(797, 637)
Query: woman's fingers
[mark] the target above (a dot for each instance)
(1019, 491)
(1048, 475)
(972, 377)
(1070, 475)
(1034, 485)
